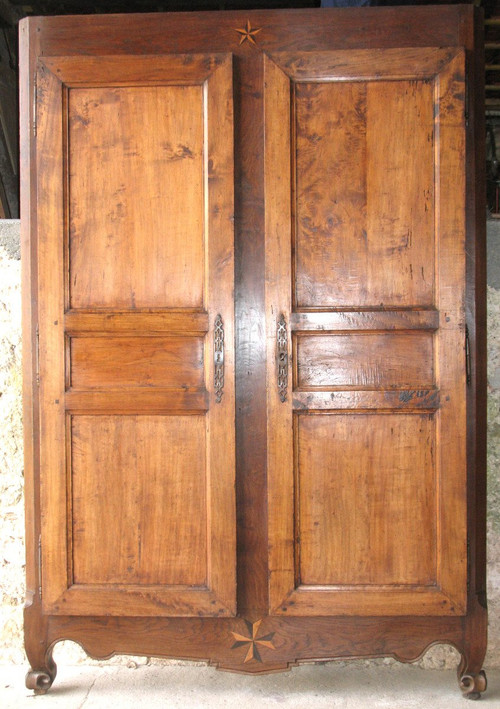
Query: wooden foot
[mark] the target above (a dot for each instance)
(40, 681)
(471, 678)
(473, 684)
(38, 650)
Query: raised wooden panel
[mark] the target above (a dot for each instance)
(139, 500)
(364, 360)
(132, 242)
(366, 499)
(99, 362)
(360, 201)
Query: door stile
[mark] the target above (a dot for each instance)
(278, 228)
(219, 202)
(450, 350)
(250, 323)
(50, 225)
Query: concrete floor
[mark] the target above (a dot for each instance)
(349, 686)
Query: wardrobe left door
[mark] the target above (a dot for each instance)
(134, 164)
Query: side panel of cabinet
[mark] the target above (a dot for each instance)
(365, 282)
(135, 232)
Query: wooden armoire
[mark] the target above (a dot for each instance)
(254, 330)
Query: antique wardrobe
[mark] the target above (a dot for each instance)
(254, 336)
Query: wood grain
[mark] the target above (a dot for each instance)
(362, 63)
(400, 226)
(358, 257)
(364, 360)
(138, 494)
(330, 227)
(366, 500)
(450, 229)
(135, 401)
(219, 285)
(141, 393)
(132, 322)
(298, 30)
(475, 303)
(296, 639)
(351, 214)
(365, 320)
(165, 52)
(278, 219)
(133, 244)
(250, 329)
(101, 362)
(51, 358)
(359, 400)
(185, 69)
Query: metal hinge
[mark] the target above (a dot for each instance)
(466, 108)
(37, 355)
(468, 365)
(34, 105)
(40, 566)
(468, 563)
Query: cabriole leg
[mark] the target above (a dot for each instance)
(38, 650)
(472, 683)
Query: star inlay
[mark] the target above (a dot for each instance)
(253, 641)
(248, 33)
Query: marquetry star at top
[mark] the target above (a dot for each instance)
(253, 641)
(247, 33)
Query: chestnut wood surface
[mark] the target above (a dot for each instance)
(138, 498)
(363, 360)
(376, 211)
(334, 479)
(366, 499)
(165, 458)
(144, 362)
(141, 180)
(358, 240)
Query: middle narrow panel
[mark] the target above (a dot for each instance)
(172, 361)
(363, 360)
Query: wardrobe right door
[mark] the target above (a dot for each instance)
(365, 231)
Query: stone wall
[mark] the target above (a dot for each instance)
(11, 448)
(11, 464)
(493, 656)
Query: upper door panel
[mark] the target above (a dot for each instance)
(133, 242)
(371, 143)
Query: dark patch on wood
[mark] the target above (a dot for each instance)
(180, 152)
